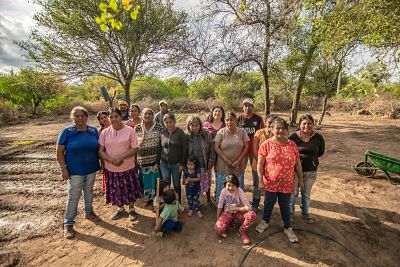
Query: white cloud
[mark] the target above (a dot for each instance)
(16, 21)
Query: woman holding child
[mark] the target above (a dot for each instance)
(201, 147)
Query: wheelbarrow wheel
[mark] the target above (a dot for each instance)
(365, 169)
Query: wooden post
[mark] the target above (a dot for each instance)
(157, 199)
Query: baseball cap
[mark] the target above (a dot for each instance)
(249, 101)
(122, 101)
(163, 102)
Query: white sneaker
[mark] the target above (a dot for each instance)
(262, 226)
(291, 235)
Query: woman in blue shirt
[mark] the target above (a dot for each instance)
(77, 154)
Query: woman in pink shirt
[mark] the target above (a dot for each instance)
(118, 145)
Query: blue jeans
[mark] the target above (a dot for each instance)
(77, 184)
(256, 193)
(170, 225)
(283, 200)
(309, 180)
(167, 171)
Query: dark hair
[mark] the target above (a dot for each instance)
(163, 184)
(280, 121)
(210, 115)
(135, 106)
(306, 117)
(169, 196)
(169, 115)
(115, 110)
(103, 112)
(194, 160)
(232, 178)
(192, 119)
(231, 114)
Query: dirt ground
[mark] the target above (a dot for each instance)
(362, 213)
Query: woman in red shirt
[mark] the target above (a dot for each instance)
(278, 157)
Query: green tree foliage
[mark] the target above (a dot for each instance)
(177, 87)
(30, 87)
(149, 87)
(90, 91)
(74, 45)
(375, 72)
(203, 89)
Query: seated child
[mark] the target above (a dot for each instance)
(237, 206)
(168, 219)
(164, 186)
(191, 180)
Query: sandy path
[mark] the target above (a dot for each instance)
(363, 213)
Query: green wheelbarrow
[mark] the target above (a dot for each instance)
(379, 161)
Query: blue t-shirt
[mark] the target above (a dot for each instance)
(81, 149)
(186, 174)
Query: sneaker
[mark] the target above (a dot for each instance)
(199, 214)
(308, 219)
(245, 238)
(91, 216)
(69, 231)
(262, 226)
(190, 213)
(117, 214)
(291, 235)
(132, 215)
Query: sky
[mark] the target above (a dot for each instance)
(16, 21)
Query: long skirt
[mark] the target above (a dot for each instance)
(220, 180)
(149, 180)
(205, 182)
(122, 188)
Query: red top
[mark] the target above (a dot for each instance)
(280, 160)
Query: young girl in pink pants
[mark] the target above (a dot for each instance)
(237, 206)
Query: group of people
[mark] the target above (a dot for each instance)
(134, 147)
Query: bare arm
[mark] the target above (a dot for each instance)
(221, 154)
(260, 172)
(158, 224)
(236, 163)
(103, 154)
(256, 143)
(299, 172)
(219, 211)
(60, 152)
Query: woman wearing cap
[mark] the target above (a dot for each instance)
(148, 155)
(77, 147)
(231, 144)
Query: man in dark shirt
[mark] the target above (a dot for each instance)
(123, 106)
(163, 110)
(251, 122)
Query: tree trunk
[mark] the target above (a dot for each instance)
(267, 109)
(264, 69)
(324, 106)
(127, 87)
(339, 80)
(296, 99)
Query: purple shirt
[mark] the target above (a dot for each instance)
(211, 129)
